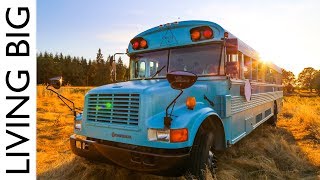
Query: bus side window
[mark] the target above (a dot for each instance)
(270, 75)
(261, 72)
(232, 66)
(254, 70)
(278, 78)
(247, 67)
(222, 67)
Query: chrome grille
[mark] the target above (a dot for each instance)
(113, 108)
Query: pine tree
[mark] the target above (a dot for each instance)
(121, 70)
(77, 71)
(91, 73)
(84, 71)
(99, 79)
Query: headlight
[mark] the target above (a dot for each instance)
(168, 135)
(159, 135)
(77, 122)
(77, 125)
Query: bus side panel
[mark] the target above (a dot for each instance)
(246, 116)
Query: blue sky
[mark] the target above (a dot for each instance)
(286, 32)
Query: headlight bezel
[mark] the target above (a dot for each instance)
(78, 122)
(161, 135)
(164, 135)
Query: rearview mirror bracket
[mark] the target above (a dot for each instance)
(56, 83)
(168, 119)
(178, 80)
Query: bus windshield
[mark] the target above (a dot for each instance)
(146, 65)
(201, 60)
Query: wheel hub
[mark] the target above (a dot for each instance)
(212, 161)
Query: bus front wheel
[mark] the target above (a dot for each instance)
(202, 155)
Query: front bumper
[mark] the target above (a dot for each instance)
(166, 162)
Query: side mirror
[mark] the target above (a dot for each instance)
(56, 82)
(181, 79)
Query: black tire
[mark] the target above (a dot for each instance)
(273, 120)
(199, 156)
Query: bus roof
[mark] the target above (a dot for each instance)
(275, 67)
(178, 34)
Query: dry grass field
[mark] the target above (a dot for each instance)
(289, 151)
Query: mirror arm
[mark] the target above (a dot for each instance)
(181, 91)
(118, 54)
(167, 119)
(62, 98)
(114, 59)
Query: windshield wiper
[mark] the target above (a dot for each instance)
(158, 72)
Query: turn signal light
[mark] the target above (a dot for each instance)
(178, 135)
(207, 33)
(135, 45)
(139, 43)
(195, 35)
(201, 33)
(143, 43)
(191, 102)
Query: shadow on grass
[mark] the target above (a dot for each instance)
(266, 153)
(80, 168)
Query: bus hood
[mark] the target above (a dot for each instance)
(154, 95)
(123, 112)
(136, 100)
(136, 86)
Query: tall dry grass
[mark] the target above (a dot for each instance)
(301, 116)
(288, 151)
(54, 126)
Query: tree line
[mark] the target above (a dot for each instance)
(78, 71)
(308, 79)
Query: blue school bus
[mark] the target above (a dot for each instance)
(194, 89)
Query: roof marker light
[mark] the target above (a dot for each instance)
(135, 45)
(201, 33)
(208, 33)
(143, 43)
(226, 34)
(195, 35)
(139, 43)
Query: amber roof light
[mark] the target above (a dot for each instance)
(139, 43)
(201, 33)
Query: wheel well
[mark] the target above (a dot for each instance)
(275, 107)
(214, 124)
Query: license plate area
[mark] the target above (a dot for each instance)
(82, 145)
(142, 159)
